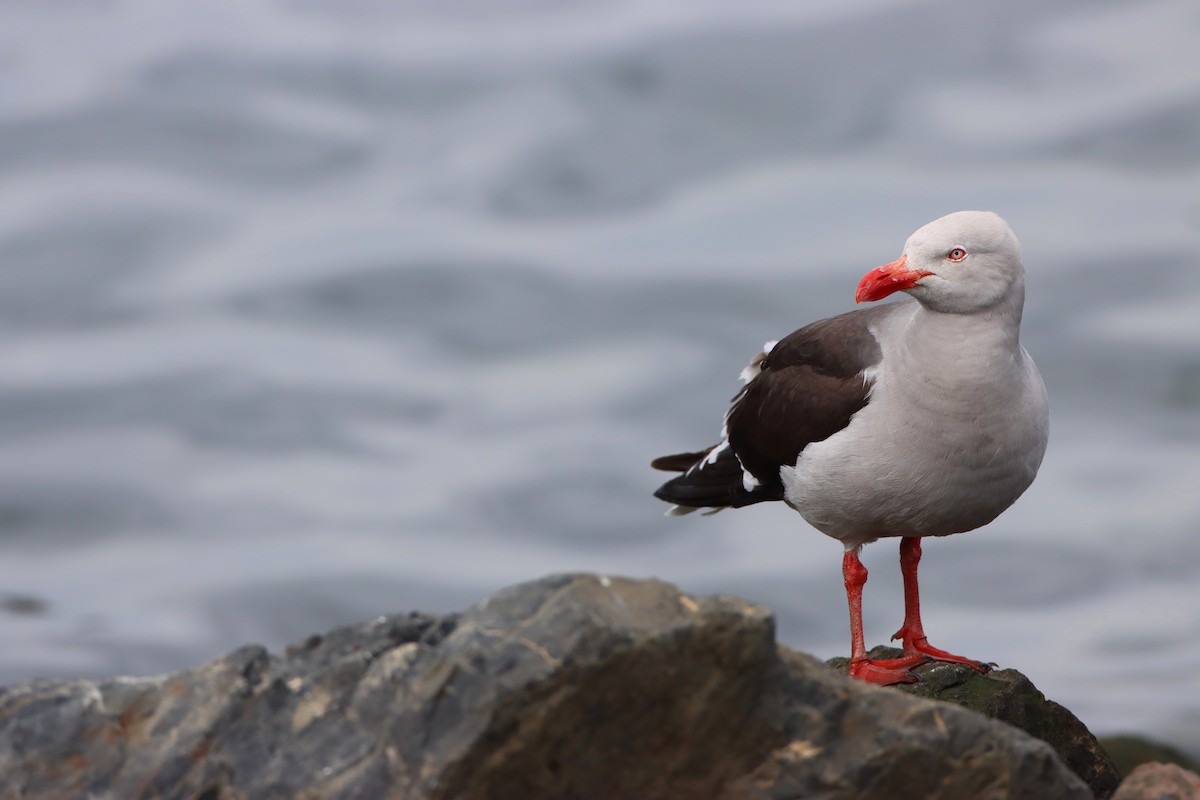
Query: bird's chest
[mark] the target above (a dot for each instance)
(935, 451)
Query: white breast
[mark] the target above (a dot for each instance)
(954, 433)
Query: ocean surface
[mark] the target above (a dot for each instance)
(315, 311)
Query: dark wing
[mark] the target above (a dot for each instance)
(806, 389)
(714, 481)
(680, 462)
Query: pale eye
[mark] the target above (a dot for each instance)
(957, 254)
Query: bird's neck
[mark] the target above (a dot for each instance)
(986, 338)
(1002, 318)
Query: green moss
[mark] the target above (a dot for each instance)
(1008, 696)
(1128, 751)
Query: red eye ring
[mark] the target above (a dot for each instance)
(957, 254)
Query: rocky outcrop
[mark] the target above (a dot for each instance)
(568, 687)
(1010, 697)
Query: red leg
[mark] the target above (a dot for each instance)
(894, 670)
(912, 632)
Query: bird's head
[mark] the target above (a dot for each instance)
(964, 262)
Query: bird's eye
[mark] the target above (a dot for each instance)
(957, 254)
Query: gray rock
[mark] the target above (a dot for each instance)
(1157, 781)
(1010, 697)
(568, 687)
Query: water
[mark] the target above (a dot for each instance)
(312, 315)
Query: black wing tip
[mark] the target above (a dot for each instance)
(680, 493)
(717, 491)
(680, 462)
(715, 500)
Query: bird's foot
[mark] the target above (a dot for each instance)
(915, 644)
(886, 671)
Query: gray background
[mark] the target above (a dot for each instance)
(312, 312)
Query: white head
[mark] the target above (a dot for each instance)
(964, 262)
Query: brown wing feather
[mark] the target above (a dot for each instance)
(784, 410)
(808, 388)
(680, 462)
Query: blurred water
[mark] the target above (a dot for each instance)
(315, 314)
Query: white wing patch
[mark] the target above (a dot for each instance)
(869, 376)
(715, 453)
(679, 511)
(751, 370)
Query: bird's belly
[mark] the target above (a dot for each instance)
(858, 487)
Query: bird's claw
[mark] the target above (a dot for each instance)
(886, 672)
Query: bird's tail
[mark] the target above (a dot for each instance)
(712, 479)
